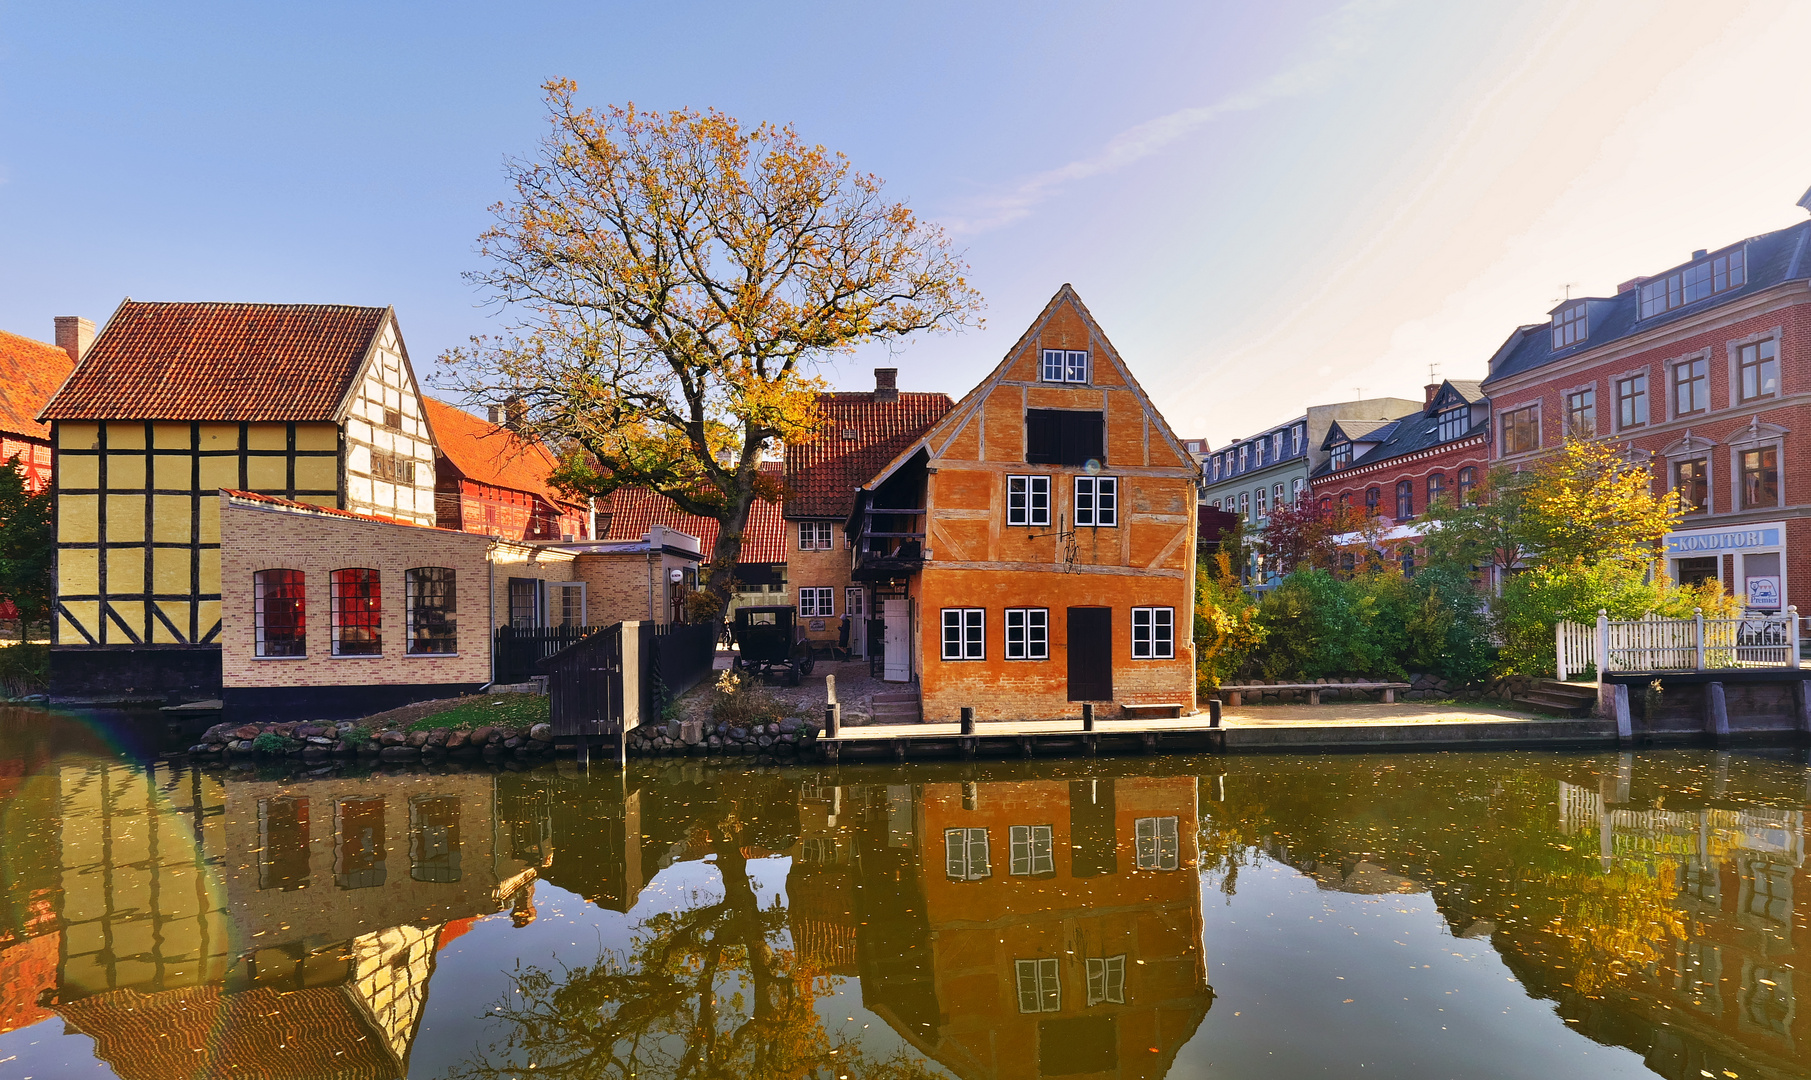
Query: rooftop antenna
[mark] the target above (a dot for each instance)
(1565, 287)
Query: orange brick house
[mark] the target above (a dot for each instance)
(489, 480)
(32, 372)
(1035, 549)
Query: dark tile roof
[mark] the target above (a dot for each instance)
(490, 454)
(1417, 431)
(1771, 258)
(634, 510)
(822, 475)
(30, 372)
(1230, 452)
(1355, 431)
(220, 362)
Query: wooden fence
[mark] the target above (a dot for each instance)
(617, 678)
(674, 657)
(1657, 644)
(586, 684)
(520, 653)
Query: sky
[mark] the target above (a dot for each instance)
(1265, 206)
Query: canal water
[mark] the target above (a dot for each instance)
(1510, 914)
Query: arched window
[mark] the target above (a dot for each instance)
(357, 613)
(1468, 483)
(1405, 500)
(1373, 497)
(1436, 486)
(280, 612)
(1327, 504)
(1345, 500)
(432, 603)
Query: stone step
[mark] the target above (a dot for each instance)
(1583, 691)
(894, 697)
(1563, 704)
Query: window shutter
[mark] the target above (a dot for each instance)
(977, 855)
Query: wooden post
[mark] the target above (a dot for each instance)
(1606, 703)
(1314, 697)
(1213, 712)
(1792, 637)
(1559, 647)
(1389, 695)
(1625, 731)
(1698, 632)
(831, 727)
(1716, 713)
(1087, 716)
(968, 720)
(584, 751)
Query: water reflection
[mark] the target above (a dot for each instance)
(995, 922)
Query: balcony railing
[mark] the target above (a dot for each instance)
(890, 544)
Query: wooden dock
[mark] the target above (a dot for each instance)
(1359, 726)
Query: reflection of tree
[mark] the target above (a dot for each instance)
(706, 992)
(1609, 924)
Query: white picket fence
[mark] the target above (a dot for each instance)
(1652, 643)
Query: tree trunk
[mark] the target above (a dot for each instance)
(720, 571)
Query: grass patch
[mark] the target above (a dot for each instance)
(496, 710)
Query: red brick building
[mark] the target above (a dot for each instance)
(489, 480)
(1704, 370)
(32, 372)
(1394, 468)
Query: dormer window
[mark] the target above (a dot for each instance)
(1341, 455)
(1244, 455)
(1065, 365)
(1695, 282)
(1301, 436)
(1569, 325)
(1454, 422)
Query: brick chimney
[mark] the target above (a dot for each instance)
(1431, 389)
(74, 335)
(886, 384)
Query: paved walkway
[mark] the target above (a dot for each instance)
(1367, 713)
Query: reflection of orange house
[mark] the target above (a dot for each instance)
(1064, 927)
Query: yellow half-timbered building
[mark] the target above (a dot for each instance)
(175, 401)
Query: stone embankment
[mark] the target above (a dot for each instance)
(697, 738)
(318, 741)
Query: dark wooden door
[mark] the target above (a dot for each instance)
(1090, 654)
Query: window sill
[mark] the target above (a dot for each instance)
(358, 656)
(431, 655)
(304, 656)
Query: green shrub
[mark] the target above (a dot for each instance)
(1377, 625)
(740, 700)
(1534, 601)
(24, 669)
(270, 742)
(1226, 623)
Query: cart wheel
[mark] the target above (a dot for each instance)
(803, 667)
(735, 664)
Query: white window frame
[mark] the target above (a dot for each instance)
(1157, 845)
(965, 855)
(1065, 366)
(1031, 852)
(1033, 626)
(814, 536)
(1028, 500)
(557, 594)
(812, 603)
(1102, 501)
(1040, 991)
(970, 633)
(1260, 501)
(1453, 423)
(1153, 633)
(1106, 980)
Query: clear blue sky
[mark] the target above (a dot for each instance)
(1265, 204)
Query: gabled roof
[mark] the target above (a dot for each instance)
(491, 454)
(30, 372)
(939, 436)
(1340, 431)
(221, 362)
(1770, 259)
(635, 510)
(822, 475)
(1417, 431)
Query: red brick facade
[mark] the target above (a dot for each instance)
(1446, 460)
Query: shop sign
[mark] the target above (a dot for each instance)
(1764, 593)
(1709, 541)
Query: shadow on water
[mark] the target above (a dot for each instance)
(1007, 919)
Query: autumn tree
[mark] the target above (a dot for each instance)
(1302, 535)
(671, 284)
(1592, 502)
(27, 546)
(1484, 528)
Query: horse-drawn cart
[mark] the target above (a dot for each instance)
(768, 646)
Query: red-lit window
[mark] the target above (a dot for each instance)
(357, 613)
(280, 612)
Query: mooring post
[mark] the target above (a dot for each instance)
(831, 723)
(968, 720)
(1625, 732)
(584, 752)
(1792, 637)
(1716, 712)
(1087, 716)
(1213, 712)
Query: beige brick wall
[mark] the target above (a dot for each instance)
(526, 561)
(254, 538)
(818, 569)
(617, 586)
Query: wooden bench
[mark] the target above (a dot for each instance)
(1236, 694)
(1151, 712)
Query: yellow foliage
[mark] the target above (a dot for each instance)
(1590, 501)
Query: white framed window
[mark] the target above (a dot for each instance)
(814, 536)
(1028, 500)
(1156, 841)
(1097, 500)
(1296, 488)
(963, 633)
(565, 603)
(1065, 365)
(1153, 633)
(1031, 850)
(1454, 422)
(965, 854)
(817, 602)
(1028, 633)
(1039, 990)
(1107, 980)
(1263, 507)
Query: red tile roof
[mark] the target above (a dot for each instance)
(822, 475)
(633, 511)
(330, 511)
(490, 454)
(221, 362)
(30, 372)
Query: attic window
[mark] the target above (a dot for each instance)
(1454, 422)
(1341, 455)
(1569, 326)
(1065, 365)
(1694, 283)
(851, 434)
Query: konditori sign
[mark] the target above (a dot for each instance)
(1704, 541)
